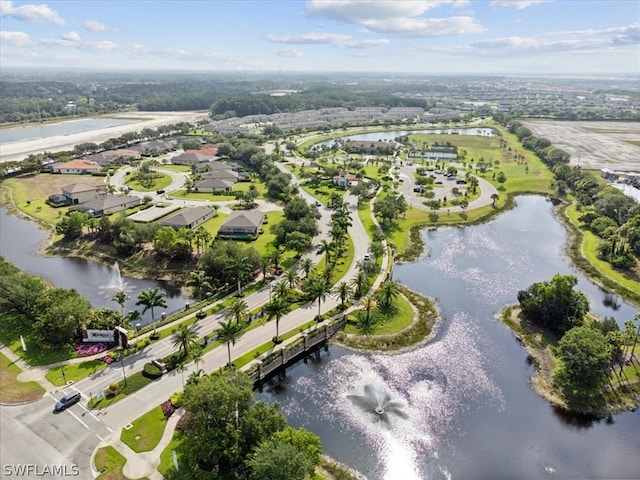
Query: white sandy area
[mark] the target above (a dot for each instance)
(18, 151)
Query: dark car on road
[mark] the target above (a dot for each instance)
(68, 400)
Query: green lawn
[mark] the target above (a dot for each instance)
(160, 181)
(590, 243)
(146, 431)
(14, 391)
(109, 458)
(166, 457)
(74, 371)
(389, 321)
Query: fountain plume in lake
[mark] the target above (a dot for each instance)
(378, 402)
(116, 283)
(400, 407)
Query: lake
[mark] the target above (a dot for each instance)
(18, 134)
(472, 413)
(19, 241)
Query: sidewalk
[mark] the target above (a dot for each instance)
(144, 464)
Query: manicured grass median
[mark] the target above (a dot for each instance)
(12, 390)
(146, 431)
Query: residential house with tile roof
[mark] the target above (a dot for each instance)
(188, 218)
(77, 166)
(242, 224)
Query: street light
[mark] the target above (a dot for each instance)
(64, 379)
(269, 292)
(124, 375)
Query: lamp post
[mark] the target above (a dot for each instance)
(269, 292)
(124, 375)
(64, 379)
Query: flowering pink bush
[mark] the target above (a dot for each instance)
(106, 359)
(168, 408)
(183, 423)
(85, 350)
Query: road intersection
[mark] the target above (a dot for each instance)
(31, 433)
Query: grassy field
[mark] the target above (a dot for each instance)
(146, 431)
(160, 180)
(11, 389)
(389, 321)
(109, 459)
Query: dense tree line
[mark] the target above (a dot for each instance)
(51, 317)
(588, 351)
(311, 98)
(229, 434)
(606, 211)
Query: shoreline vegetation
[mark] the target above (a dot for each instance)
(539, 343)
(427, 318)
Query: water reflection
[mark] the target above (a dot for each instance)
(471, 410)
(19, 241)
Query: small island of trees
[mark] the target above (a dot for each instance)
(585, 365)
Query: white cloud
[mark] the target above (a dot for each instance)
(517, 4)
(288, 52)
(30, 13)
(95, 26)
(428, 27)
(71, 37)
(19, 39)
(338, 40)
(399, 17)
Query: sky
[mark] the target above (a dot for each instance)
(520, 37)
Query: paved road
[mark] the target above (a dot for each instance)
(135, 405)
(33, 434)
(70, 437)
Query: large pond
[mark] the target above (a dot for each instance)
(10, 135)
(471, 411)
(19, 241)
(391, 135)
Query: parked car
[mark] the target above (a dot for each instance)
(160, 192)
(68, 400)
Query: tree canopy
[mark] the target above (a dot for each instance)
(554, 304)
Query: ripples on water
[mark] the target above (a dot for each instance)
(417, 379)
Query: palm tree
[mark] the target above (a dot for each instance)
(388, 293)
(197, 352)
(291, 277)
(276, 256)
(150, 299)
(265, 263)
(182, 367)
(120, 297)
(202, 238)
(184, 338)
(200, 283)
(318, 289)
(365, 324)
(359, 283)
(276, 308)
(342, 292)
(369, 304)
(306, 266)
(239, 269)
(326, 248)
(238, 310)
(228, 333)
(280, 289)
(494, 197)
